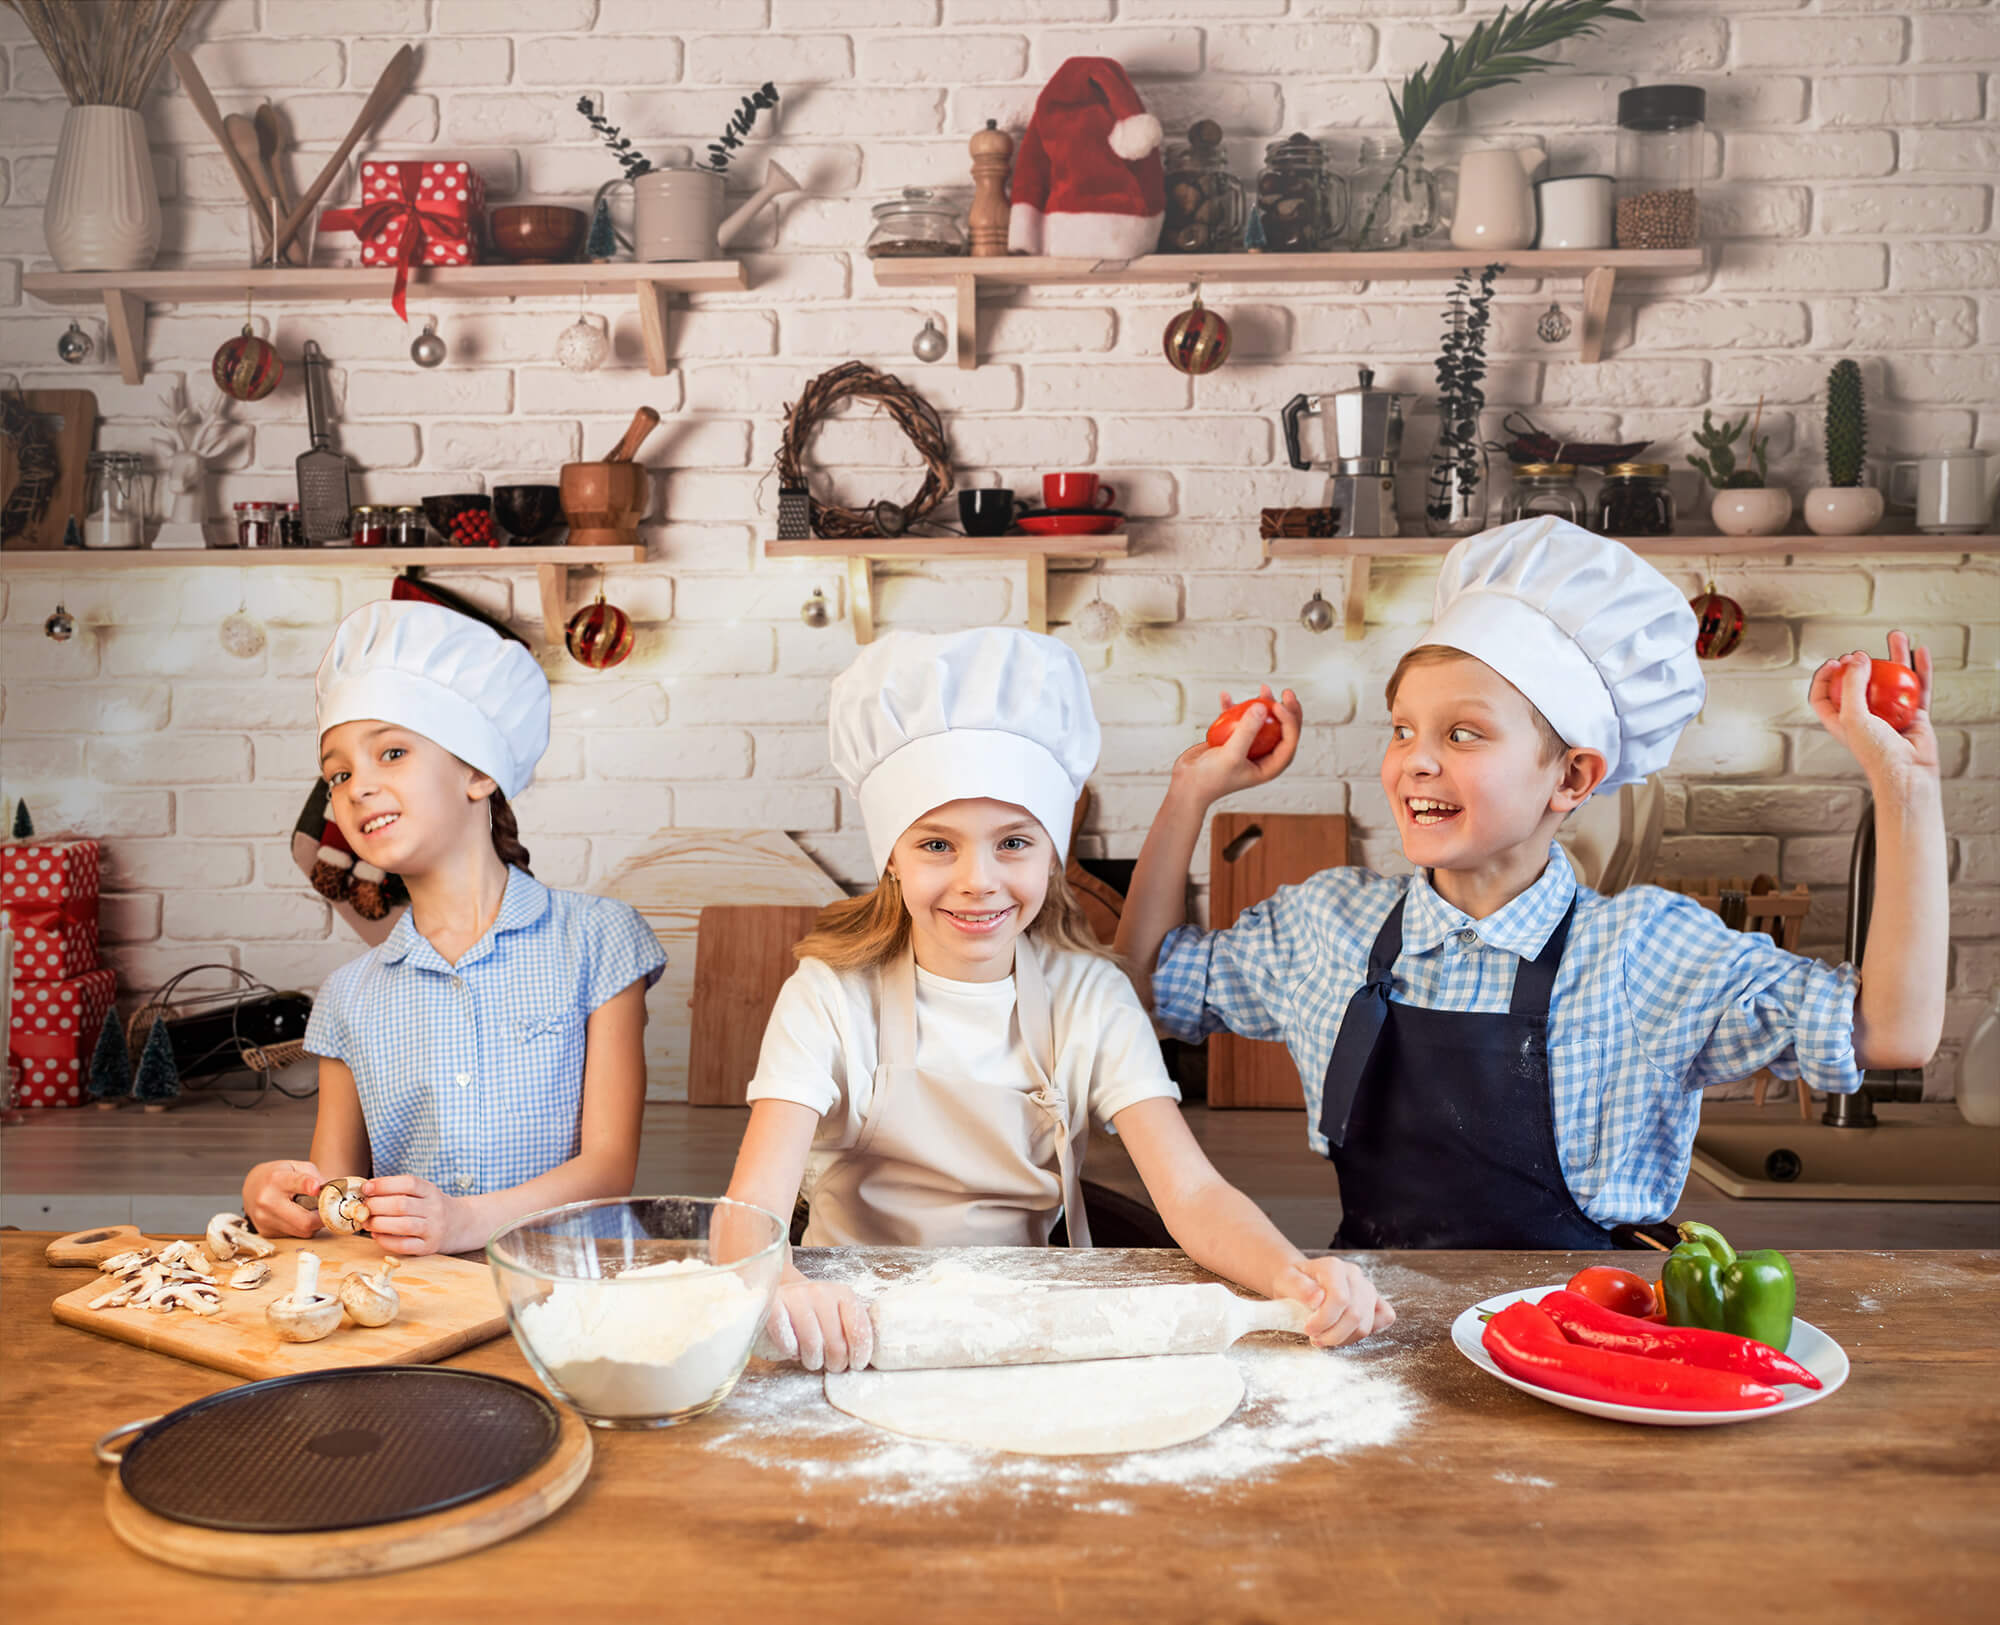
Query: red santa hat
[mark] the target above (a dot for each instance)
(1087, 175)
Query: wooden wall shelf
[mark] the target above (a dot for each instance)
(1033, 551)
(128, 296)
(1599, 269)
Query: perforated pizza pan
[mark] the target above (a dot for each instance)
(339, 1449)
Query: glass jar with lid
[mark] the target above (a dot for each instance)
(1394, 198)
(1204, 201)
(917, 223)
(1635, 501)
(368, 526)
(115, 500)
(1545, 488)
(1301, 205)
(1660, 156)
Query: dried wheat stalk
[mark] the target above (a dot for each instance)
(105, 52)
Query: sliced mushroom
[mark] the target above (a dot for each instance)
(181, 1295)
(230, 1234)
(187, 1255)
(252, 1274)
(341, 1208)
(372, 1300)
(116, 1298)
(119, 1263)
(305, 1314)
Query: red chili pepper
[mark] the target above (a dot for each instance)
(1596, 1327)
(1526, 1343)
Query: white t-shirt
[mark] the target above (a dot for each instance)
(820, 1046)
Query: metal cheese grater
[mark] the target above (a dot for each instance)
(323, 500)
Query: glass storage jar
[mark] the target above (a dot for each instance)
(1660, 142)
(1300, 206)
(1204, 201)
(291, 527)
(407, 528)
(916, 224)
(1392, 203)
(1544, 488)
(1634, 501)
(254, 523)
(368, 527)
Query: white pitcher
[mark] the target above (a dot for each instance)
(1952, 492)
(1496, 207)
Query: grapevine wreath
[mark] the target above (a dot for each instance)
(856, 380)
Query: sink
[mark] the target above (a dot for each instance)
(1914, 1154)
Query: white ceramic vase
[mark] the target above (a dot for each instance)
(103, 210)
(1842, 510)
(1751, 510)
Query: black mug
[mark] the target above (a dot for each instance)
(986, 511)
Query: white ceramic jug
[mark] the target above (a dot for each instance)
(1496, 208)
(1953, 491)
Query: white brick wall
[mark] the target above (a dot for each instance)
(1851, 210)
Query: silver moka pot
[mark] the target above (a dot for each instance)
(1365, 440)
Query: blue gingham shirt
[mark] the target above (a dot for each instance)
(471, 1075)
(1656, 1000)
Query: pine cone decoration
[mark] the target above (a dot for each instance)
(1846, 425)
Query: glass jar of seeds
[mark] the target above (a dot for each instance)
(1544, 490)
(1300, 205)
(1660, 156)
(1204, 201)
(917, 223)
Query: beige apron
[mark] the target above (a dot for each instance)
(946, 1162)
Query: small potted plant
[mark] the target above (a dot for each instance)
(1742, 505)
(1844, 506)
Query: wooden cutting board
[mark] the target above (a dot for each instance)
(743, 954)
(670, 884)
(447, 1305)
(72, 422)
(1250, 855)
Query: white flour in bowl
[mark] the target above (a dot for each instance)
(617, 1349)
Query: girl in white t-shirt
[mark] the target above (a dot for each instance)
(931, 1069)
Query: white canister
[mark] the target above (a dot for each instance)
(1953, 491)
(675, 213)
(1574, 211)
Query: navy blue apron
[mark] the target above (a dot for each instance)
(1439, 1121)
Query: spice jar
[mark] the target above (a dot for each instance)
(1634, 501)
(254, 521)
(1660, 142)
(915, 224)
(1204, 201)
(368, 527)
(407, 528)
(291, 527)
(1300, 206)
(1544, 488)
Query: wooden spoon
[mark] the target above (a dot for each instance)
(389, 87)
(196, 88)
(270, 145)
(242, 133)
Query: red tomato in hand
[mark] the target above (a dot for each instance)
(1618, 1290)
(1895, 693)
(1267, 736)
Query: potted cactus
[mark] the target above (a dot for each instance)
(1742, 505)
(1844, 506)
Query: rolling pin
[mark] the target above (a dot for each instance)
(919, 1328)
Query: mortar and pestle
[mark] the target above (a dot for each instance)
(604, 502)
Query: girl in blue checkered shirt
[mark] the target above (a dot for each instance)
(486, 1060)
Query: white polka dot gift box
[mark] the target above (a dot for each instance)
(50, 945)
(51, 1029)
(414, 213)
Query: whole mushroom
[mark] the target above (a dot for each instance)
(371, 1300)
(305, 1314)
(230, 1234)
(341, 1208)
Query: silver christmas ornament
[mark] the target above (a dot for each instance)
(1098, 622)
(75, 346)
(242, 636)
(1317, 616)
(427, 349)
(59, 627)
(1553, 328)
(814, 611)
(930, 343)
(583, 346)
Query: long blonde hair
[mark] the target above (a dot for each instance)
(860, 933)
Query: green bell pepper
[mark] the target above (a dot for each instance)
(1708, 1283)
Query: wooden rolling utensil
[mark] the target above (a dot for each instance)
(211, 115)
(922, 1329)
(389, 87)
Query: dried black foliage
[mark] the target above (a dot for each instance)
(629, 158)
(719, 152)
(1461, 363)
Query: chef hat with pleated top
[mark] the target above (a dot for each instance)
(445, 676)
(1598, 640)
(921, 719)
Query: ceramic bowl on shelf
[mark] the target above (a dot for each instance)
(1751, 510)
(527, 513)
(1842, 510)
(537, 233)
(444, 512)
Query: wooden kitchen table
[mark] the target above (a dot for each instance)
(1879, 1503)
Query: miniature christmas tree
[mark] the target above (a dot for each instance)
(602, 244)
(24, 826)
(1846, 425)
(110, 1079)
(159, 1081)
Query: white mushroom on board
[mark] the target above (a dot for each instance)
(230, 1233)
(341, 1208)
(305, 1314)
(371, 1300)
(251, 1274)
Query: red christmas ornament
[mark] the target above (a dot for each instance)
(1197, 340)
(1719, 623)
(599, 635)
(246, 368)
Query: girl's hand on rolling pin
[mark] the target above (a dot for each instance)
(411, 1216)
(268, 1190)
(822, 1325)
(1344, 1302)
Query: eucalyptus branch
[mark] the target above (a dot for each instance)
(1461, 364)
(630, 159)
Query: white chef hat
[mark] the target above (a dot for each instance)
(920, 719)
(1598, 640)
(445, 676)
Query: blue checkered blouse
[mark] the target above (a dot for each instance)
(471, 1075)
(1656, 1000)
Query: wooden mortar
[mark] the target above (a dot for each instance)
(604, 502)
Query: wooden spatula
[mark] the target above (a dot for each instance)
(389, 87)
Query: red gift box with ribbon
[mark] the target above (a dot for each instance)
(414, 213)
(50, 945)
(42, 874)
(51, 1030)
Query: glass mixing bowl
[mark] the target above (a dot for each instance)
(639, 1311)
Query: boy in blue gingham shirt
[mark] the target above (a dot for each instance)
(486, 1060)
(1494, 1055)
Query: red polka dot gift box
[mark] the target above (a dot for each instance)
(51, 1029)
(50, 946)
(41, 873)
(414, 213)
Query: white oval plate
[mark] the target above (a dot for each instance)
(1810, 1346)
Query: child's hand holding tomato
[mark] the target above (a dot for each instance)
(1880, 710)
(1250, 744)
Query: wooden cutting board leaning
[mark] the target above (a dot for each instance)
(66, 422)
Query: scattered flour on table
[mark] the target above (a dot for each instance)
(620, 1351)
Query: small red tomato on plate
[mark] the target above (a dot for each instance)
(1614, 1289)
(1267, 736)
(1895, 693)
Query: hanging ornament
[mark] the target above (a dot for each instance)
(814, 611)
(246, 368)
(1317, 616)
(59, 627)
(1553, 328)
(585, 344)
(75, 346)
(427, 349)
(930, 343)
(1197, 340)
(1098, 623)
(1720, 623)
(599, 635)
(242, 635)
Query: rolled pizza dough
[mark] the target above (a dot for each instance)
(1083, 1408)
